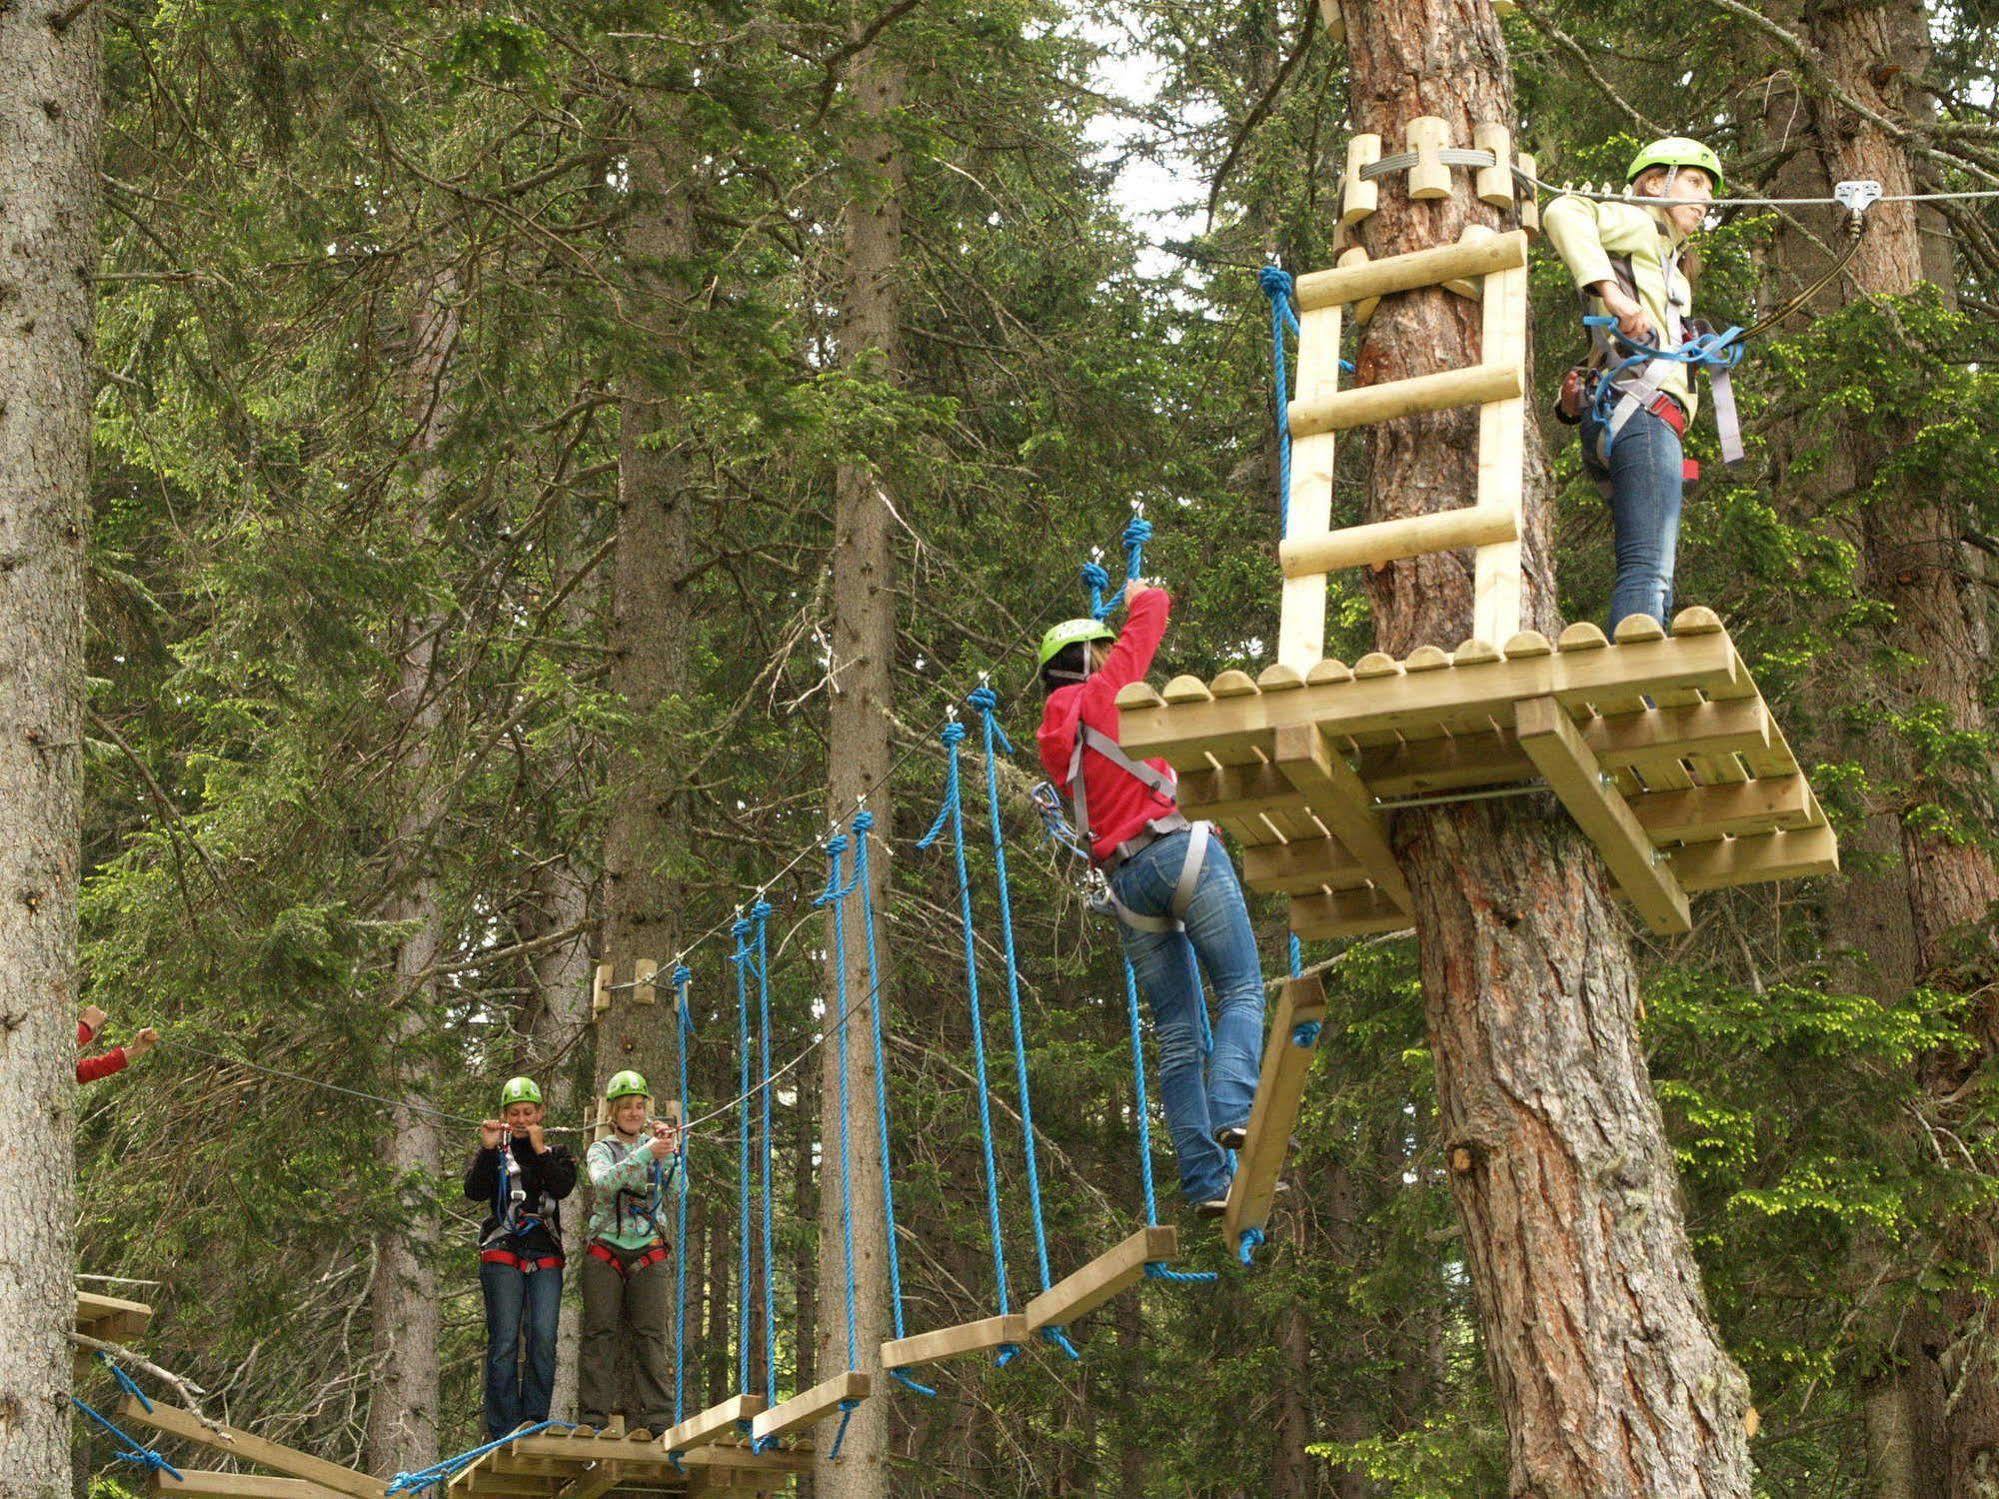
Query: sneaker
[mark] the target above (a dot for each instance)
(1232, 1136)
(1214, 1207)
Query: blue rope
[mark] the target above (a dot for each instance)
(682, 1029)
(1096, 579)
(1306, 1033)
(1710, 351)
(986, 701)
(135, 1452)
(1276, 284)
(761, 914)
(953, 812)
(1137, 532)
(446, 1469)
(741, 931)
(1247, 1246)
(1154, 1270)
(864, 821)
(840, 1436)
(125, 1381)
(835, 898)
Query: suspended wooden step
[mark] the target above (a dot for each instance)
(245, 1447)
(1102, 1278)
(950, 1342)
(713, 1424)
(816, 1404)
(196, 1484)
(1660, 747)
(588, 1464)
(1286, 1060)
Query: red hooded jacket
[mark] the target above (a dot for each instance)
(90, 1069)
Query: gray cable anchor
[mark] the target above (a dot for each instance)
(1857, 196)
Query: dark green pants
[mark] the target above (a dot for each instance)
(630, 1311)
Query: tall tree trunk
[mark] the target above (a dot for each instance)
(51, 114)
(857, 760)
(1606, 1363)
(402, 1410)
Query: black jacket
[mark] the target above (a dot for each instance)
(534, 1226)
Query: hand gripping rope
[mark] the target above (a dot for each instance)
(834, 898)
(683, 1028)
(863, 822)
(986, 700)
(952, 813)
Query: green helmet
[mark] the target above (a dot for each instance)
(1676, 151)
(520, 1090)
(1067, 634)
(626, 1085)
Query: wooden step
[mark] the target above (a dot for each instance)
(195, 1483)
(1364, 405)
(1115, 1270)
(949, 1342)
(815, 1404)
(713, 1424)
(248, 1448)
(1279, 1092)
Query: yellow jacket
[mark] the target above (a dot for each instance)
(1588, 235)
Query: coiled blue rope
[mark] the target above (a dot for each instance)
(952, 814)
(1096, 579)
(683, 1027)
(760, 913)
(986, 701)
(741, 958)
(444, 1471)
(863, 823)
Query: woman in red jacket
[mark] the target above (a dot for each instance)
(1179, 905)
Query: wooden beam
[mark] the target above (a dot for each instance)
(1419, 268)
(111, 1319)
(1278, 1094)
(1301, 613)
(1106, 1276)
(195, 1483)
(1761, 806)
(712, 1424)
(1363, 405)
(1502, 427)
(1754, 859)
(815, 1404)
(730, 1457)
(1346, 913)
(251, 1449)
(1387, 541)
(949, 1342)
(1234, 790)
(1183, 733)
(526, 1452)
(1553, 744)
(1301, 868)
(1340, 801)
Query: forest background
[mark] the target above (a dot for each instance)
(549, 457)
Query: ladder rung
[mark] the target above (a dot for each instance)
(1411, 536)
(1418, 268)
(1473, 385)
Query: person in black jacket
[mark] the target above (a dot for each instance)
(522, 1179)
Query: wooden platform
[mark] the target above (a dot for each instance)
(585, 1464)
(1660, 747)
(111, 1319)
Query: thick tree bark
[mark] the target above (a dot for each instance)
(857, 759)
(1604, 1358)
(402, 1410)
(51, 115)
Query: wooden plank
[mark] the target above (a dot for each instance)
(815, 1404)
(1346, 913)
(1754, 859)
(1278, 1093)
(1183, 734)
(197, 1483)
(1232, 790)
(1306, 555)
(1302, 867)
(1340, 801)
(731, 1457)
(1419, 268)
(1472, 385)
(644, 972)
(559, 1448)
(1301, 615)
(1462, 762)
(949, 1342)
(1107, 1275)
(111, 1319)
(1553, 744)
(1759, 806)
(251, 1449)
(1502, 427)
(712, 1424)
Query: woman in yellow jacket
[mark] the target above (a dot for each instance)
(1625, 259)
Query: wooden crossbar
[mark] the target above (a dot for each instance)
(245, 1447)
(1339, 800)
(815, 1404)
(111, 1319)
(1769, 802)
(1114, 1271)
(1550, 740)
(1302, 867)
(196, 1483)
(1387, 541)
(1764, 856)
(723, 1458)
(1278, 1094)
(712, 1424)
(949, 1342)
(1411, 272)
(1362, 405)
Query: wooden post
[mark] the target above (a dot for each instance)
(1502, 429)
(1301, 630)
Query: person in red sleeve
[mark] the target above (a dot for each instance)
(90, 1069)
(1179, 906)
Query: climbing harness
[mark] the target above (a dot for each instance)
(597, 1249)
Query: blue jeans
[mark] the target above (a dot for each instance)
(519, 1384)
(1645, 492)
(1218, 938)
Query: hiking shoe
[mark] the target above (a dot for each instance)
(1232, 1136)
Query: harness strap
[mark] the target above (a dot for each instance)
(1175, 919)
(526, 1264)
(599, 1250)
(1088, 737)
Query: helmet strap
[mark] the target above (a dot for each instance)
(1057, 674)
